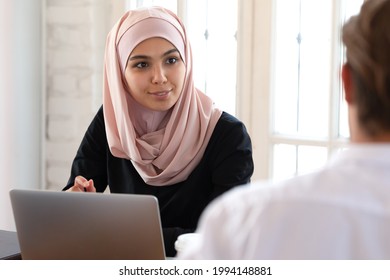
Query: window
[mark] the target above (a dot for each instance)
(308, 114)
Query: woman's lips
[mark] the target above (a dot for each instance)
(160, 93)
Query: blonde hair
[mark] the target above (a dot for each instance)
(367, 40)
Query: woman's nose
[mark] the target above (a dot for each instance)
(159, 76)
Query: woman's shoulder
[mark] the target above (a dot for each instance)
(99, 116)
(97, 124)
(225, 116)
(231, 129)
(99, 113)
(229, 120)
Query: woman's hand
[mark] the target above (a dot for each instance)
(82, 185)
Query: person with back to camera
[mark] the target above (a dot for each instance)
(342, 211)
(157, 134)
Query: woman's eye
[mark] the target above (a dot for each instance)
(141, 65)
(172, 60)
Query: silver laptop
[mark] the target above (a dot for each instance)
(68, 225)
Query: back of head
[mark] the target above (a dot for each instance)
(367, 40)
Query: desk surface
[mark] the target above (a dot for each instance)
(9, 246)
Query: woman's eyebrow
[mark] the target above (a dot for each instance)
(170, 51)
(135, 57)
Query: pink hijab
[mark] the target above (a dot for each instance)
(164, 147)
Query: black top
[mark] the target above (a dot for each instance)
(227, 162)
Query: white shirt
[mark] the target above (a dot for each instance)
(339, 212)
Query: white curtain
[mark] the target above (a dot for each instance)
(21, 95)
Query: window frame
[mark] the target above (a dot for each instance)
(255, 84)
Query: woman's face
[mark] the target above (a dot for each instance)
(155, 74)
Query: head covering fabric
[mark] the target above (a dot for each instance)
(164, 147)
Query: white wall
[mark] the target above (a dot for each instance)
(76, 31)
(20, 100)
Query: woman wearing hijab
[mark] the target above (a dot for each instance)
(156, 133)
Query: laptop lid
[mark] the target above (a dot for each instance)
(72, 225)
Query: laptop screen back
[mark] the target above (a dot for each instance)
(70, 225)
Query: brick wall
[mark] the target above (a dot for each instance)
(75, 37)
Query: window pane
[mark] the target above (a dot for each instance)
(290, 160)
(311, 158)
(302, 67)
(214, 46)
(285, 161)
(196, 33)
(315, 59)
(343, 119)
(285, 82)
